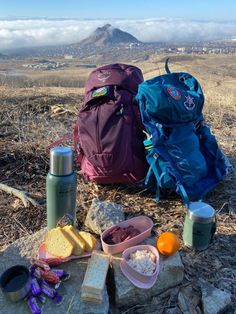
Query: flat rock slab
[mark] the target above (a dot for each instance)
(214, 300)
(20, 252)
(171, 274)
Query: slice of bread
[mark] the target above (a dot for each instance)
(79, 242)
(89, 239)
(58, 243)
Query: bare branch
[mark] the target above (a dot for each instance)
(20, 194)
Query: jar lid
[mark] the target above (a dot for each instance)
(61, 161)
(201, 212)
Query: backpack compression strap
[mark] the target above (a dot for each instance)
(77, 146)
(166, 66)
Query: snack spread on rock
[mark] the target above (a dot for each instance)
(59, 243)
(33, 305)
(168, 243)
(95, 277)
(66, 241)
(143, 261)
(90, 241)
(79, 242)
(44, 283)
(35, 288)
(121, 234)
(50, 276)
(40, 263)
(52, 261)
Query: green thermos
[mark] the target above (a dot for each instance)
(61, 186)
(199, 225)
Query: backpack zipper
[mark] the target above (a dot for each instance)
(97, 131)
(121, 111)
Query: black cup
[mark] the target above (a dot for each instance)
(15, 282)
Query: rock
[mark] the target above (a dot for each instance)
(188, 300)
(102, 215)
(21, 250)
(19, 253)
(173, 310)
(226, 279)
(171, 274)
(214, 300)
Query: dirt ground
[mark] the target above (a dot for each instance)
(32, 118)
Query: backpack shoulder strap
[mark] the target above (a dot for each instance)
(61, 140)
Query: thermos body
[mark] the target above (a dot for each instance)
(197, 235)
(199, 226)
(61, 186)
(61, 198)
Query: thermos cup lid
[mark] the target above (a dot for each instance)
(15, 282)
(201, 212)
(61, 161)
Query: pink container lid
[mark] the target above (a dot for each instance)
(138, 279)
(143, 223)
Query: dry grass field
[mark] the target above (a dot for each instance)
(34, 114)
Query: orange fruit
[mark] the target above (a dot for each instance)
(168, 243)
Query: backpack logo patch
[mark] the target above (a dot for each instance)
(100, 92)
(174, 93)
(189, 103)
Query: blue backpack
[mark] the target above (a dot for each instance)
(182, 153)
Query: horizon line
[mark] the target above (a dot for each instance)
(13, 17)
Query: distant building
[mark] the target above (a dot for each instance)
(68, 57)
(181, 49)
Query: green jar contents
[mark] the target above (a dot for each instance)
(199, 226)
(61, 186)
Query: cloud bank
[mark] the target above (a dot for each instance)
(17, 33)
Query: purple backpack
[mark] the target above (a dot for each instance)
(108, 133)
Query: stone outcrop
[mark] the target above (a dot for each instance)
(171, 274)
(214, 300)
(102, 215)
(124, 292)
(20, 252)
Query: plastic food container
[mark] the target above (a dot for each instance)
(142, 223)
(138, 279)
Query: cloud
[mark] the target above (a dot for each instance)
(16, 33)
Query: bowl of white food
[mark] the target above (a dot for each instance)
(140, 264)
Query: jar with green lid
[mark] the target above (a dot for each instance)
(199, 225)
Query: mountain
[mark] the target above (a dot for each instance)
(108, 35)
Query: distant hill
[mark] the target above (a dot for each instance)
(108, 35)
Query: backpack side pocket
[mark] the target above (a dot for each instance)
(184, 148)
(218, 164)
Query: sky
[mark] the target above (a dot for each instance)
(46, 22)
(94, 9)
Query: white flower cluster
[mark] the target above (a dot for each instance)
(143, 261)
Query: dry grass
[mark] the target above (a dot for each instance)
(31, 118)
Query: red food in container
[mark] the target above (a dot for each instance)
(142, 223)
